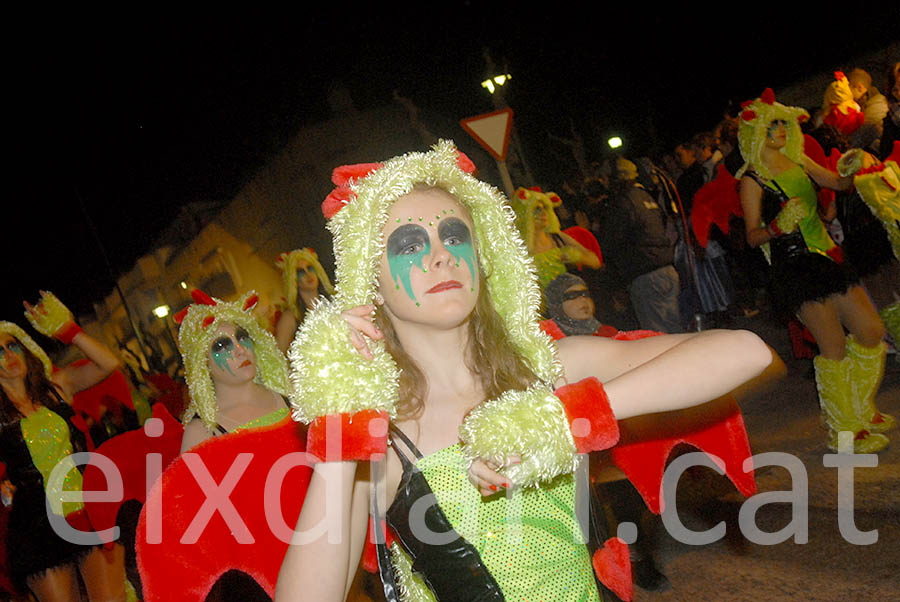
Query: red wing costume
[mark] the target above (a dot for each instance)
(178, 560)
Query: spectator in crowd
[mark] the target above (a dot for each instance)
(874, 107)
(634, 238)
(890, 129)
(570, 309)
(691, 178)
(706, 154)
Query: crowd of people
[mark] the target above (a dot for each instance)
(473, 359)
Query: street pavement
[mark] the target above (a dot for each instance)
(786, 418)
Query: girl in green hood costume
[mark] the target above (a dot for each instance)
(456, 362)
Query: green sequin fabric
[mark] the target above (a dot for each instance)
(529, 539)
(47, 436)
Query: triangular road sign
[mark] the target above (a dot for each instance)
(491, 131)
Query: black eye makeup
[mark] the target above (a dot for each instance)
(570, 295)
(222, 345)
(407, 240)
(243, 338)
(453, 231)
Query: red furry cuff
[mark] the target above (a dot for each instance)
(612, 565)
(774, 230)
(346, 437)
(593, 424)
(67, 332)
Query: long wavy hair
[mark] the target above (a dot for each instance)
(40, 390)
(489, 355)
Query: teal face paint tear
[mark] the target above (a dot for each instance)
(244, 340)
(457, 239)
(221, 351)
(407, 246)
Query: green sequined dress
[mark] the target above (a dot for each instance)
(32, 447)
(529, 541)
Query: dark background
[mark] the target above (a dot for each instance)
(126, 117)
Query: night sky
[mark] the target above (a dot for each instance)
(127, 123)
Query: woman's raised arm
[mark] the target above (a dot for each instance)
(53, 319)
(667, 372)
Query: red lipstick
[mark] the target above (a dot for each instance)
(245, 363)
(444, 286)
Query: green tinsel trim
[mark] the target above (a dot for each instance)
(328, 374)
(194, 341)
(530, 423)
(881, 192)
(752, 135)
(14, 330)
(412, 587)
(358, 246)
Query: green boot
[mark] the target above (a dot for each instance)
(836, 400)
(866, 372)
(890, 315)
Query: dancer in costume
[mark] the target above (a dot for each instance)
(809, 277)
(236, 376)
(235, 372)
(36, 434)
(553, 251)
(878, 185)
(304, 280)
(839, 110)
(456, 360)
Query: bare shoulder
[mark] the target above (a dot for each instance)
(195, 432)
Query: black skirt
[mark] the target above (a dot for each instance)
(32, 544)
(805, 277)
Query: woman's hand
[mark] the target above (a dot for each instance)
(7, 491)
(484, 475)
(792, 213)
(360, 321)
(52, 319)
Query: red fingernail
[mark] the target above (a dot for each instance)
(506, 484)
(492, 487)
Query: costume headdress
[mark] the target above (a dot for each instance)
(288, 264)
(524, 202)
(839, 95)
(199, 325)
(358, 211)
(14, 330)
(756, 118)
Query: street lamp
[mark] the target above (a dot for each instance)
(614, 142)
(493, 83)
(161, 311)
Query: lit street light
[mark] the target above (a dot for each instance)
(614, 142)
(499, 80)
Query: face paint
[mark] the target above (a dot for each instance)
(407, 246)
(455, 235)
(773, 127)
(12, 347)
(222, 350)
(244, 340)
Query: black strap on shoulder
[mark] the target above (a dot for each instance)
(394, 430)
(221, 429)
